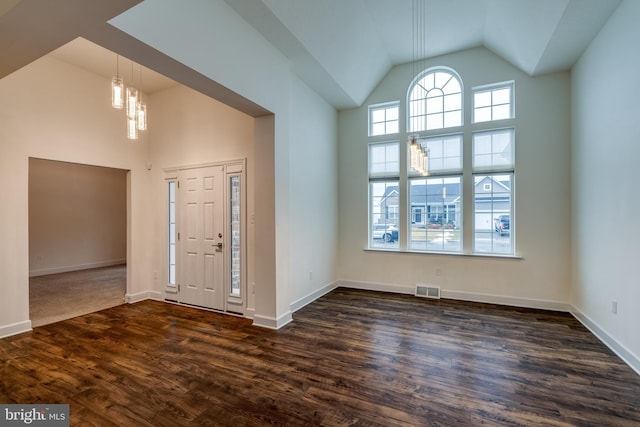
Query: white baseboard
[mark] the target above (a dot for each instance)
(272, 322)
(381, 287)
(141, 296)
(505, 300)
(15, 328)
(308, 299)
(459, 295)
(620, 350)
(78, 267)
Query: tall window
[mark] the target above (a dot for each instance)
(383, 119)
(384, 196)
(435, 100)
(493, 167)
(436, 201)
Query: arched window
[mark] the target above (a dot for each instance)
(435, 100)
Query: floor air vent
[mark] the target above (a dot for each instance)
(428, 291)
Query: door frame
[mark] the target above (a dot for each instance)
(232, 304)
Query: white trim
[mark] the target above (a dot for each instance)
(506, 300)
(249, 313)
(419, 76)
(383, 106)
(15, 329)
(173, 169)
(511, 84)
(619, 349)
(272, 322)
(381, 287)
(78, 267)
(462, 296)
(311, 297)
(142, 296)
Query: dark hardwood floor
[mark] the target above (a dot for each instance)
(350, 358)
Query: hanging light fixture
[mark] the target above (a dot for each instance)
(132, 113)
(117, 87)
(131, 100)
(141, 110)
(418, 155)
(141, 117)
(132, 128)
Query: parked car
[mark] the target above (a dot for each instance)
(385, 232)
(502, 224)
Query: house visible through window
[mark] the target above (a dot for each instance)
(384, 197)
(493, 166)
(435, 203)
(438, 198)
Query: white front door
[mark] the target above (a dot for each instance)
(201, 228)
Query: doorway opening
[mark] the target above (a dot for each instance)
(77, 239)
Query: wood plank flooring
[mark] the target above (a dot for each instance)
(350, 358)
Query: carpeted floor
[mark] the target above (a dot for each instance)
(62, 296)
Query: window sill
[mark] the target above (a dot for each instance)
(457, 254)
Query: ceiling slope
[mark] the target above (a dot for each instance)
(343, 49)
(30, 29)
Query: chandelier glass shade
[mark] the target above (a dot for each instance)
(418, 156)
(117, 92)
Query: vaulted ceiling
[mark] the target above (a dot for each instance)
(344, 48)
(341, 48)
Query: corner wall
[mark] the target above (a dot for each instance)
(540, 276)
(212, 39)
(47, 113)
(606, 201)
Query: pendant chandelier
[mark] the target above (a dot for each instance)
(418, 154)
(131, 100)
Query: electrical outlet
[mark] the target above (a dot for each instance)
(614, 307)
(311, 275)
(438, 271)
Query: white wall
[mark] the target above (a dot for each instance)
(313, 226)
(606, 201)
(540, 278)
(77, 216)
(48, 112)
(212, 39)
(187, 128)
